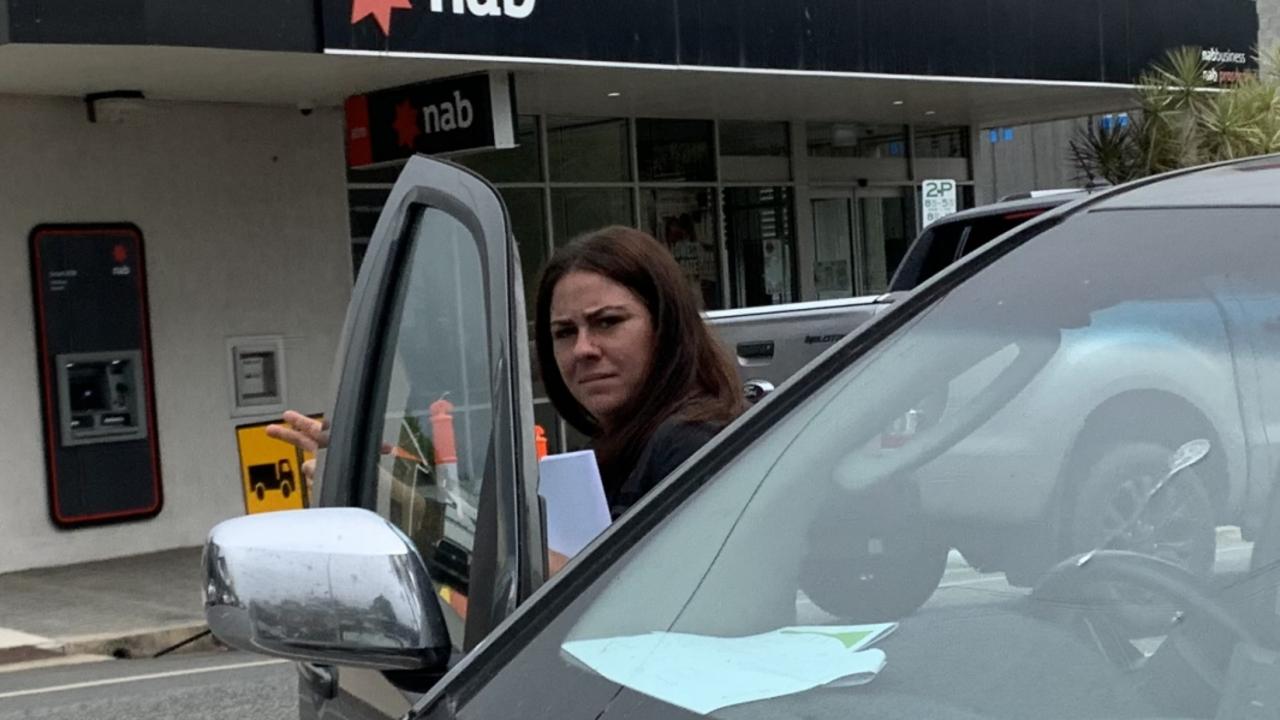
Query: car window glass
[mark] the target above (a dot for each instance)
(940, 247)
(984, 230)
(1071, 371)
(436, 429)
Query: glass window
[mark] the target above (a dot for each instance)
(364, 207)
(578, 210)
(438, 416)
(761, 241)
(886, 229)
(522, 163)
(754, 139)
(684, 220)
(675, 150)
(836, 513)
(529, 226)
(833, 246)
(937, 248)
(546, 417)
(386, 174)
(857, 141)
(358, 250)
(951, 142)
(589, 149)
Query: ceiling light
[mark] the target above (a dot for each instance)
(615, 94)
(930, 112)
(898, 102)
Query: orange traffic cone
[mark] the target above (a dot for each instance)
(446, 445)
(540, 441)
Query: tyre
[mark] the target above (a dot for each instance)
(872, 559)
(261, 492)
(1178, 524)
(286, 489)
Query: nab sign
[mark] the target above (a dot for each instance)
(441, 117)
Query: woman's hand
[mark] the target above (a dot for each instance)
(304, 433)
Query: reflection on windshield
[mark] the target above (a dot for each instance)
(1005, 478)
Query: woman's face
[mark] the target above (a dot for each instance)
(602, 334)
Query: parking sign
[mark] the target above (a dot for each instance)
(939, 199)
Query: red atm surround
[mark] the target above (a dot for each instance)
(97, 390)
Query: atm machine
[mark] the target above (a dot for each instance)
(94, 348)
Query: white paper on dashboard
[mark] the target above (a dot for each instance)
(703, 674)
(577, 510)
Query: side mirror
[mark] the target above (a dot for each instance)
(335, 586)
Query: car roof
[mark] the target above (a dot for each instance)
(1254, 182)
(1007, 207)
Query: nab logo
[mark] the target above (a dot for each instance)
(492, 8)
(448, 115)
(380, 10)
(120, 254)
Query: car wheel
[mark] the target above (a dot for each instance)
(1178, 525)
(286, 489)
(872, 559)
(261, 492)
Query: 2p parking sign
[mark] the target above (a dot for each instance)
(939, 200)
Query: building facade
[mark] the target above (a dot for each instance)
(777, 148)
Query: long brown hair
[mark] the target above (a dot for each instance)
(690, 376)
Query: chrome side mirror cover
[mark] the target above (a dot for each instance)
(337, 586)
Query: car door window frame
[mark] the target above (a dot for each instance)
(507, 560)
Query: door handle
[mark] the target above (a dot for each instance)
(320, 679)
(755, 390)
(755, 350)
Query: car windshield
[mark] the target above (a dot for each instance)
(1046, 494)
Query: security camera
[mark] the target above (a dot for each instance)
(306, 108)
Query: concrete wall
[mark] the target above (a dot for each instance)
(243, 212)
(1037, 158)
(1268, 24)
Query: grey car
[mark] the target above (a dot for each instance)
(712, 596)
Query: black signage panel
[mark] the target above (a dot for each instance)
(459, 114)
(1081, 40)
(611, 30)
(281, 25)
(94, 346)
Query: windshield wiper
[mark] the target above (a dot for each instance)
(1184, 457)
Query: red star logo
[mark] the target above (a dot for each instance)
(119, 254)
(406, 124)
(379, 9)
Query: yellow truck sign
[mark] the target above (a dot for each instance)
(270, 471)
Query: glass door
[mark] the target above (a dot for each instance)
(886, 226)
(833, 256)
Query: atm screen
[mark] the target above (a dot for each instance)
(87, 384)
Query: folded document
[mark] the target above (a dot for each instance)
(704, 674)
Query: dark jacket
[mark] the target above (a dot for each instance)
(673, 443)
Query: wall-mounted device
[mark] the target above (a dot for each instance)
(94, 344)
(257, 375)
(99, 397)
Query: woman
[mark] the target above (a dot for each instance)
(627, 359)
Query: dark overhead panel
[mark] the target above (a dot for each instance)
(284, 25)
(1055, 40)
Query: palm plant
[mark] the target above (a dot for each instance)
(1181, 120)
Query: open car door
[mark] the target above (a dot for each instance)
(432, 424)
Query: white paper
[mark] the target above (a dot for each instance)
(577, 510)
(704, 674)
